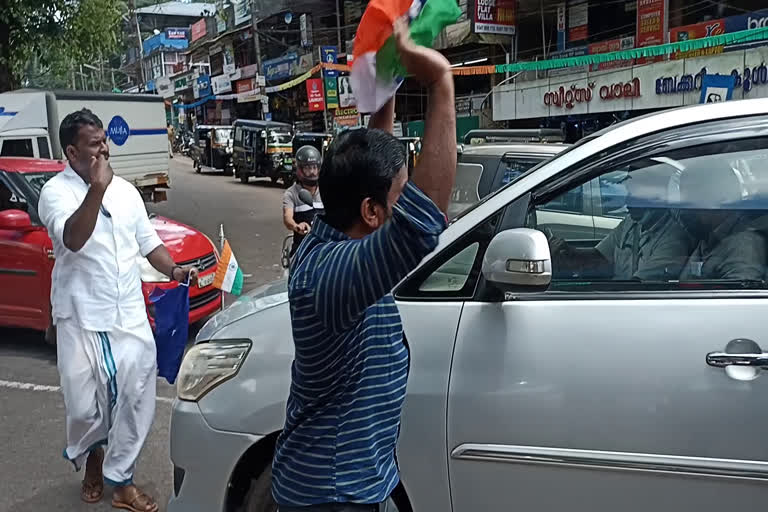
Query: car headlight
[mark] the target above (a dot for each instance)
(207, 365)
(150, 274)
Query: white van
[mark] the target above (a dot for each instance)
(135, 125)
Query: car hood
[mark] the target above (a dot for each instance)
(183, 242)
(261, 298)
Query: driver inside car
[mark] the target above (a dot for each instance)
(298, 216)
(649, 244)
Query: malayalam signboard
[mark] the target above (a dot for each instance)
(495, 17)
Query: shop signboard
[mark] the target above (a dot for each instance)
(716, 88)
(249, 70)
(561, 26)
(346, 96)
(164, 87)
(651, 25)
(198, 29)
(495, 17)
(221, 84)
(577, 51)
(578, 20)
(229, 59)
(328, 54)
(347, 117)
(697, 31)
(176, 33)
(331, 92)
(279, 68)
(202, 86)
(315, 98)
(614, 45)
(183, 82)
(305, 22)
(245, 85)
(305, 63)
(757, 19)
(242, 10)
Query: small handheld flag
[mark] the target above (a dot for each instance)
(229, 277)
(376, 69)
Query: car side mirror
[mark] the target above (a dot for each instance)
(15, 220)
(518, 259)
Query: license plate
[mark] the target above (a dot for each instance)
(206, 280)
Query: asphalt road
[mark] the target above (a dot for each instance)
(33, 475)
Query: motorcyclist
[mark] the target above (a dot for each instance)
(297, 216)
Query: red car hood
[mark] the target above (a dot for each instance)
(183, 242)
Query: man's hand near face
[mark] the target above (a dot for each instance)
(100, 172)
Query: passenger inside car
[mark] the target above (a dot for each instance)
(649, 244)
(715, 210)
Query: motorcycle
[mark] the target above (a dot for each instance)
(286, 259)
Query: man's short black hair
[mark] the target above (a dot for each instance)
(71, 125)
(360, 163)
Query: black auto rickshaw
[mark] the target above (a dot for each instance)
(212, 149)
(412, 150)
(321, 141)
(263, 149)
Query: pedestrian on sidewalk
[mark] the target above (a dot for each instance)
(106, 352)
(337, 450)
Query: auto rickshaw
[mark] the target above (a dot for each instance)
(263, 149)
(412, 150)
(212, 149)
(321, 141)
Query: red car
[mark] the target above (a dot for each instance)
(26, 252)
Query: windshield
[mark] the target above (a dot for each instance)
(280, 138)
(36, 182)
(222, 135)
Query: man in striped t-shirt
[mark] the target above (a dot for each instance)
(337, 450)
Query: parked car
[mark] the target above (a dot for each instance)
(527, 390)
(485, 167)
(26, 251)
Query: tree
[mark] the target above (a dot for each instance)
(51, 38)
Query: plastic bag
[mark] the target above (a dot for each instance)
(171, 328)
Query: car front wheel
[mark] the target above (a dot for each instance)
(259, 497)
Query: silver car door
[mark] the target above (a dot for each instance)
(604, 394)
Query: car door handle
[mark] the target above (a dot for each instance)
(723, 359)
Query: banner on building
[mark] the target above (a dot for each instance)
(495, 17)
(717, 88)
(221, 84)
(347, 117)
(614, 45)
(346, 96)
(175, 33)
(242, 10)
(315, 98)
(697, 31)
(198, 29)
(229, 59)
(164, 87)
(281, 67)
(305, 22)
(331, 92)
(652, 19)
(201, 88)
(578, 20)
(328, 55)
(561, 27)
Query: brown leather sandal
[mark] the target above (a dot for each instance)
(92, 489)
(139, 502)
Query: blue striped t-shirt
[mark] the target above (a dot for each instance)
(351, 366)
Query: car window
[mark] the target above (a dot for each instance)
(465, 188)
(17, 147)
(247, 138)
(693, 216)
(42, 147)
(10, 199)
(453, 274)
(512, 167)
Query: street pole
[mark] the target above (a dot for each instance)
(543, 34)
(325, 99)
(256, 42)
(140, 73)
(338, 24)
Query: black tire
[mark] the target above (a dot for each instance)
(288, 181)
(229, 171)
(244, 178)
(259, 496)
(274, 178)
(198, 169)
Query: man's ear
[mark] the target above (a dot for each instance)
(368, 213)
(70, 152)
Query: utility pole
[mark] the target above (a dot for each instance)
(256, 42)
(338, 24)
(135, 21)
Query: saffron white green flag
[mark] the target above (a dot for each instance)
(376, 69)
(229, 277)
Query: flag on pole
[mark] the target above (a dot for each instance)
(229, 277)
(376, 68)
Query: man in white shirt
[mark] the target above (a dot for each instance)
(106, 352)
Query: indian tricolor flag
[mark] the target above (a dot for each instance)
(229, 277)
(376, 68)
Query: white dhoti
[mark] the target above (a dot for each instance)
(108, 380)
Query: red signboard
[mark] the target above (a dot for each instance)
(198, 29)
(315, 96)
(245, 85)
(578, 20)
(697, 31)
(651, 15)
(614, 45)
(495, 17)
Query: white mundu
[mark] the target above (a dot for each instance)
(106, 351)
